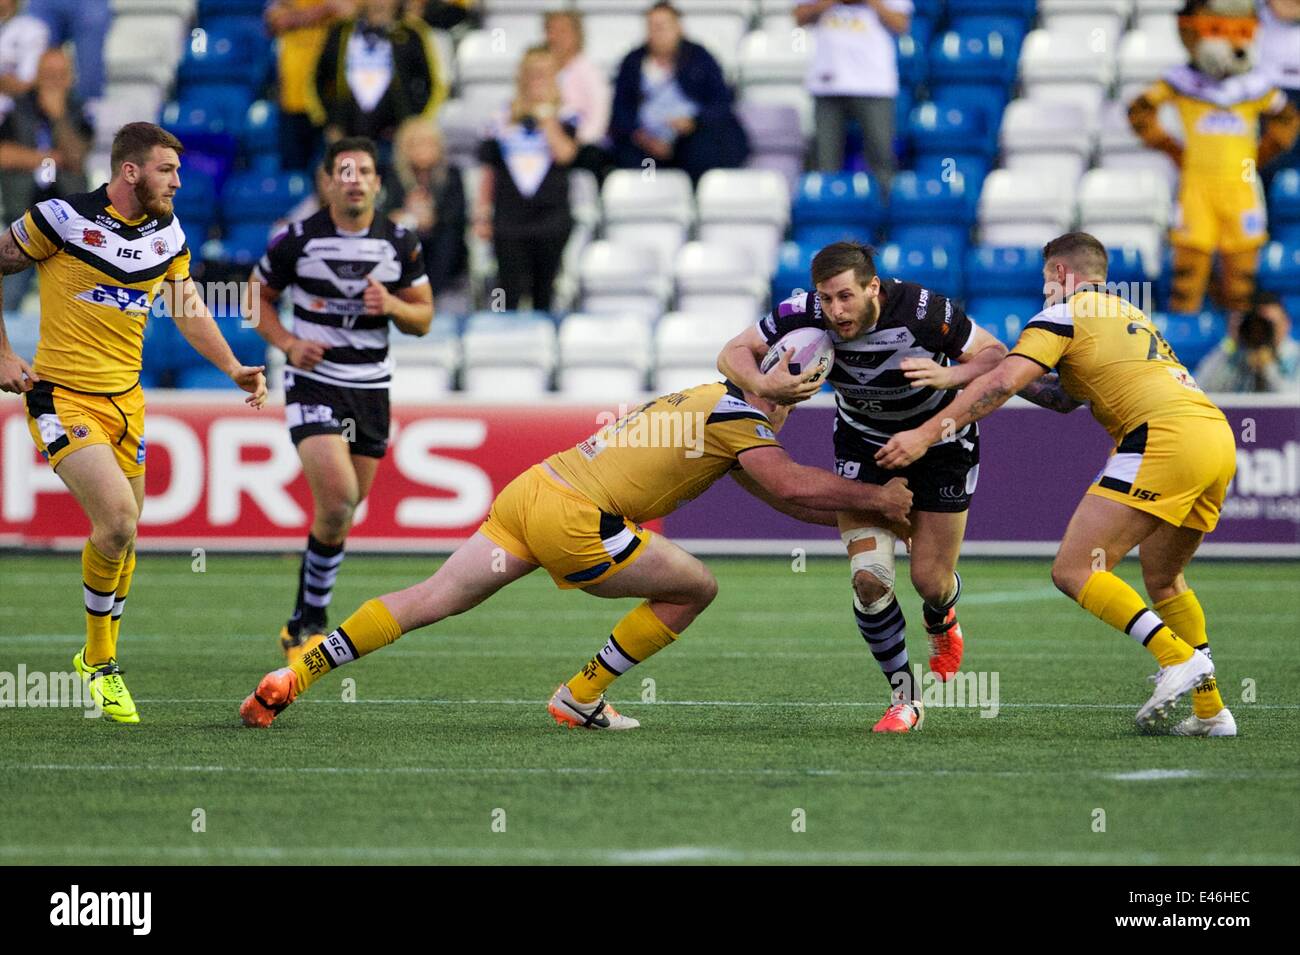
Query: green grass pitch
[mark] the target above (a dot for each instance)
(762, 710)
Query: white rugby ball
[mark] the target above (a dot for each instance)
(814, 353)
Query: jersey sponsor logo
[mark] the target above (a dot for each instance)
(160, 247)
(1253, 222)
(107, 220)
(1221, 122)
(139, 453)
(893, 336)
(763, 431)
(848, 469)
(20, 230)
(93, 237)
(125, 299)
(921, 303)
(60, 214)
(1142, 494)
(953, 492)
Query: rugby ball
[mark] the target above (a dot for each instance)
(814, 353)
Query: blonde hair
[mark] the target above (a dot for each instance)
(518, 108)
(401, 165)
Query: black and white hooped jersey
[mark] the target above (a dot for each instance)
(873, 396)
(328, 269)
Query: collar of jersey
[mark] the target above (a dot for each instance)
(108, 207)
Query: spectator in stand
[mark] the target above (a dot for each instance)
(1278, 46)
(23, 39)
(375, 71)
(444, 14)
(523, 199)
(854, 75)
(671, 103)
(44, 141)
(1259, 354)
(427, 196)
(85, 23)
(301, 27)
(584, 88)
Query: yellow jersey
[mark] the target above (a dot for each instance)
(1109, 354)
(1220, 118)
(665, 452)
(299, 51)
(99, 273)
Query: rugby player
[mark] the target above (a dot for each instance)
(901, 351)
(1161, 490)
(102, 258)
(351, 272)
(579, 514)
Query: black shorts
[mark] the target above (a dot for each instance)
(360, 415)
(943, 480)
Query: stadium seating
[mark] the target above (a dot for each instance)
(1144, 56)
(262, 198)
(1047, 138)
(1125, 208)
(618, 278)
(603, 357)
(1004, 272)
(1192, 337)
(719, 279)
(653, 208)
(793, 270)
(1284, 206)
(686, 350)
(424, 368)
(1120, 147)
(144, 48)
(834, 203)
(1057, 66)
(930, 265)
(950, 130)
(508, 355)
(1024, 209)
(776, 138)
(748, 207)
(485, 68)
(1004, 318)
(943, 205)
(772, 67)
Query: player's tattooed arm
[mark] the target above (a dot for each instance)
(12, 258)
(1046, 392)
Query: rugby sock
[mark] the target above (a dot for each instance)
(636, 637)
(316, 576)
(1184, 616)
(935, 617)
(99, 577)
(367, 630)
(883, 627)
(1112, 601)
(123, 588)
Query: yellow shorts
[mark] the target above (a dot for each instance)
(1178, 469)
(1219, 215)
(539, 520)
(62, 420)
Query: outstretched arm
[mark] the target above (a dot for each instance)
(196, 324)
(980, 398)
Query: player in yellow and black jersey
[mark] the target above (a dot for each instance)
(1162, 488)
(102, 258)
(579, 514)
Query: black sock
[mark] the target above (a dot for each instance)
(886, 634)
(316, 575)
(935, 616)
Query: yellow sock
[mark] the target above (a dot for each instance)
(99, 577)
(1185, 617)
(123, 588)
(636, 637)
(1112, 601)
(370, 628)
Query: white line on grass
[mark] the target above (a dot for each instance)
(797, 704)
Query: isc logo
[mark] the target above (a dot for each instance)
(127, 253)
(1144, 495)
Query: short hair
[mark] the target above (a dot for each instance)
(574, 17)
(1083, 251)
(664, 5)
(349, 144)
(135, 141)
(839, 256)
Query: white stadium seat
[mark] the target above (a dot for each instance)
(124, 103)
(584, 197)
(144, 48)
(1056, 65)
(747, 207)
(720, 279)
(1047, 137)
(1024, 209)
(686, 350)
(423, 367)
(618, 278)
(508, 356)
(792, 95)
(486, 64)
(603, 357)
(775, 55)
(462, 131)
(1144, 57)
(612, 31)
(178, 8)
(527, 28)
(1125, 207)
(1120, 147)
(1091, 21)
(654, 208)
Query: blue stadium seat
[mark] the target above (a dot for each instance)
(912, 61)
(1004, 272)
(224, 255)
(990, 101)
(824, 234)
(261, 132)
(1011, 29)
(932, 266)
(1192, 337)
(1023, 10)
(230, 51)
(938, 200)
(1291, 304)
(950, 129)
(837, 198)
(973, 169)
(225, 8)
(251, 197)
(793, 269)
(1126, 265)
(161, 339)
(1005, 317)
(928, 9)
(983, 59)
(1284, 206)
(953, 237)
(1279, 268)
(903, 105)
(197, 197)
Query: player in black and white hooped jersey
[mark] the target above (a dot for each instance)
(349, 272)
(900, 352)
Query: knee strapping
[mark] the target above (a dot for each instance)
(878, 561)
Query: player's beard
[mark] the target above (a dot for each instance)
(153, 203)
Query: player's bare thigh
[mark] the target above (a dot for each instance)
(327, 464)
(105, 494)
(1164, 556)
(478, 569)
(1100, 533)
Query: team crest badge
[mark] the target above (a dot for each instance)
(159, 246)
(80, 431)
(93, 237)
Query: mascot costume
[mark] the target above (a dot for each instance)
(1234, 120)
